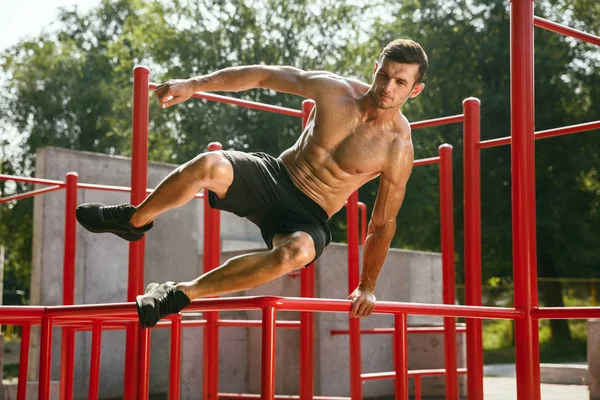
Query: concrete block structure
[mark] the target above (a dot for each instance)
(174, 250)
(593, 358)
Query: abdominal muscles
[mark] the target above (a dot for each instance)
(327, 177)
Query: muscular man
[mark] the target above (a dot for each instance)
(355, 133)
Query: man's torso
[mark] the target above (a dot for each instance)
(338, 152)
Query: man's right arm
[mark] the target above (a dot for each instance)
(309, 84)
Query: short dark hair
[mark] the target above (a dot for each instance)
(406, 51)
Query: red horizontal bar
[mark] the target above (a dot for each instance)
(426, 161)
(255, 323)
(416, 329)
(80, 325)
(258, 396)
(438, 121)
(226, 323)
(127, 311)
(332, 305)
(111, 188)
(566, 130)
(484, 144)
(433, 372)
(375, 376)
(21, 321)
(565, 30)
(17, 313)
(30, 180)
(32, 193)
(565, 312)
(60, 185)
(244, 103)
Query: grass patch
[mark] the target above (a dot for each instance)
(11, 371)
(498, 346)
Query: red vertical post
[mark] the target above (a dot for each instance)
(95, 361)
(401, 356)
(23, 361)
(175, 370)
(363, 222)
(45, 358)
(68, 334)
(139, 180)
(267, 374)
(353, 280)
(307, 319)
(523, 198)
(417, 387)
(472, 215)
(447, 235)
(144, 364)
(212, 254)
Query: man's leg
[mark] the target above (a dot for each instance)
(210, 171)
(290, 252)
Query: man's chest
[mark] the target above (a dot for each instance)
(357, 148)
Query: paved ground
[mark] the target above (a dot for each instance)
(499, 383)
(503, 388)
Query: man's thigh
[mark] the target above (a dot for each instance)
(286, 228)
(298, 248)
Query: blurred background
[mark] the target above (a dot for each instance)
(66, 81)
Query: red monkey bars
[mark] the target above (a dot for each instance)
(526, 312)
(137, 361)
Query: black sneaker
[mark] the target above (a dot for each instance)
(159, 301)
(98, 218)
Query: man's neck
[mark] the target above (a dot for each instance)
(371, 112)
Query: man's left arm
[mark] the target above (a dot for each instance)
(382, 226)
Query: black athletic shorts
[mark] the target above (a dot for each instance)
(263, 192)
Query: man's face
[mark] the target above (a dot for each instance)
(394, 83)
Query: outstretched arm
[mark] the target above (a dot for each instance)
(292, 80)
(382, 226)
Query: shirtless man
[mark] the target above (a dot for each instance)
(355, 133)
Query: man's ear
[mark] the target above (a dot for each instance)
(416, 90)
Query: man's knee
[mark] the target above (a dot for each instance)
(295, 252)
(208, 167)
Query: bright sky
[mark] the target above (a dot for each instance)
(26, 18)
(21, 19)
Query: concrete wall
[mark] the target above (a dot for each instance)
(174, 252)
(593, 358)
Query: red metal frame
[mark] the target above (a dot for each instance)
(523, 198)
(565, 30)
(67, 370)
(212, 253)
(472, 243)
(448, 279)
(98, 314)
(307, 320)
(211, 260)
(526, 312)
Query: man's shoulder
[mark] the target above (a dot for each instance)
(335, 81)
(402, 128)
(359, 86)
